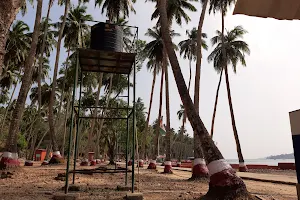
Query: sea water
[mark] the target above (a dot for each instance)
(270, 162)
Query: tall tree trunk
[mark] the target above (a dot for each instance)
(8, 12)
(155, 150)
(224, 183)
(8, 105)
(156, 142)
(63, 88)
(90, 135)
(104, 112)
(42, 56)
(65, 127)
(143, 153)
(199, 165)
(242, 166)
(168, 164)
(12, 138)
(215, 106)
(52, 97)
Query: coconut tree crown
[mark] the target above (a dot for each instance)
(235, 49)
(114, 8)
(176, 10)
(220, 5)
(188, 47)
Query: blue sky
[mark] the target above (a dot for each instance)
(263, 93)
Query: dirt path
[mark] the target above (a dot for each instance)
(38, 183)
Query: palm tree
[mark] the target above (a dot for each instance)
(114, 8)
(151, 66)
(215, 105)
(56, 156)
(18, 45)
(76, 26)
(225, 184)
(10, 9)
(42, 49)
(235, 51)
(11, 143)
(181, 115)
(175, 10)
(154, 51)
(189, 49)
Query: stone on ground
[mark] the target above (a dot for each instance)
(134, 196)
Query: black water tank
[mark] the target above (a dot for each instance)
(108, 37)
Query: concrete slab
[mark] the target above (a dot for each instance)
(69, 196)
(134, 196)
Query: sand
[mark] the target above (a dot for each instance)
(38, 183)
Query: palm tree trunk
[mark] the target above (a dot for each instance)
(65, 128)
(224, 183)
(41, 57)
(104, 113)
(6, 109)
(143, 153)
(9, 10)
(156, 151)
(52, 97)
(12, 138)
(242, 166)
(63, 88)
(168, 164)
(90, 136)
(215, 107)
(199, 165)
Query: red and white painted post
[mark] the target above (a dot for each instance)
(219, 171)
(243, 167)
(84, 162)
(141, 163)
(168, 167)
(9, 160)
(199, 168)
(152, 164)
(56, 158)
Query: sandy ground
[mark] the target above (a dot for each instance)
(38, 183)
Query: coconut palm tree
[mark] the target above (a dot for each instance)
(215, 105)
(41, 53)
(18, 45)
(189, 49)
(151, 66)
(176, 10)
(181, 116)
(154, 51)
(114, 9)
(10, 8)
(225, 184)
(76, 26)
(235, 50)
(11, 142)
(57, 156)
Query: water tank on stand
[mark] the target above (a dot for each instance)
(107, 37)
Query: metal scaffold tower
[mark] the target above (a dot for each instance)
(111, 62)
